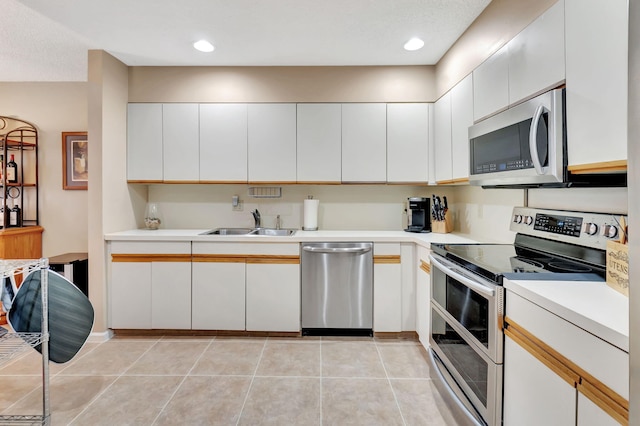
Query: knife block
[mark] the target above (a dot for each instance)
(442, 226)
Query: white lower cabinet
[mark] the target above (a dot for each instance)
(589, 414)
(130, 295)
(150, 285)
(423, 295)
(557, 373)
(534, 394)
(273, 297)
(387, 288)
(171, 295)
(218, 296)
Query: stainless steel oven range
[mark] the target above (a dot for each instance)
(468, 300)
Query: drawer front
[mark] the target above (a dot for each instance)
(151, 247)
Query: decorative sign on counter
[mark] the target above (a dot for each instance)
(618, 262)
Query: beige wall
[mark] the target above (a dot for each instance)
(53, 108)
(353, 207)
(497, 24)
(282, 84)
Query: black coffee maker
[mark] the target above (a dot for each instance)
(418, 214)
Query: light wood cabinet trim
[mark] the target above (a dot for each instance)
(605, 401)
(425, 266)
(603, 167)
(275, 260)
(144, 181)
(219, 258)
(544, 357)
(452, 181)
(302, 182)
(224, 182)
(181, 182)
(599, 393)
(409, 183)
(382, 259)
(117, 257)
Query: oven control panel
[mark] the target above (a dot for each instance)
(587, 229)
(558, 224)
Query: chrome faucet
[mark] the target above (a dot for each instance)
(256, 218)
(278, 222)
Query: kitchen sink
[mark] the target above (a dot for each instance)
(273, 232)
(249, 231)
(229, 231)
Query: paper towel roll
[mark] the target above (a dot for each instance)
(311, 215)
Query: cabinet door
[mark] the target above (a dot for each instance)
(218, 296)
(534, 394)
(387, 298)
(272, 143)
(171, 295)
(443, 138)
(408, 143)
(596, 81)
(589, 414)
(423, 295)
(536, 55)
(130, 295)
(364, 143)
(223, 142)
(181, 142)
(491, 85)
(273, 297)
(319, 143)
(387, 290)
(461, 119)
(144, 142)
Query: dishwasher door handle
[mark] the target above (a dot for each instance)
(337, 250)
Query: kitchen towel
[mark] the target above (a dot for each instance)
(311, 215)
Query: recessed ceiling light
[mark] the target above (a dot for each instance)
(203, 46)
(414, 44)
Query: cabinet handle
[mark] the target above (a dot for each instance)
(336, 250)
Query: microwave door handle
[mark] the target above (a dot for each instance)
(533, 136)
(475, 286)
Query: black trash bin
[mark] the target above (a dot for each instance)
(74, 267)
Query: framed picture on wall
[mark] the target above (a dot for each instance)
(75, 170)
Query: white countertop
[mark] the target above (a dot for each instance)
(299, 236)
(592, 306)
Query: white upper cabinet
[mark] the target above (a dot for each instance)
(442, 121)
(597, 74)
(223, 142)
(461, 119)
(144, 142)
(364, 142)
(272, 143)
(181, 142)
(319, 143)
(408, 142)
(491, 85)
(536, 55)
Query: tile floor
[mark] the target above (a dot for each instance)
(231, 381)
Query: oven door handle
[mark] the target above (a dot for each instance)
(472, 284)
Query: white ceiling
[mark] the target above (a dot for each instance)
(45, 40)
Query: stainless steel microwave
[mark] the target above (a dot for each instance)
(523, 146)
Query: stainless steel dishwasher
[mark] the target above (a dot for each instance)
(337, 288)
